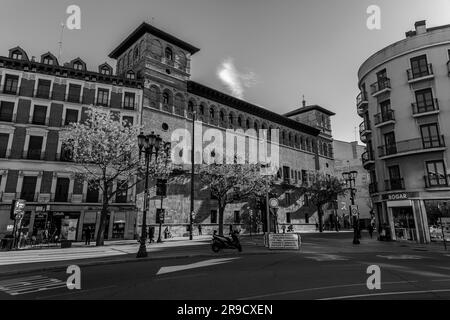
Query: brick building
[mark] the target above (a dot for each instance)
(170, 97)
(37, 99)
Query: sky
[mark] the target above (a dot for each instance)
(268, 52)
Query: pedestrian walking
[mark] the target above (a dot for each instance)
(151, 234)
(371, 230)
(199, 229)
(88, 236)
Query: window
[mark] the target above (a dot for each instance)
(211, 113)
(4, 139)
(48, 60)
(237, 217)
(385, 107)
(419, 66)
(92, 194)
(247, 124)
(190, 107)
(424, 100)
(213, 216)
(122, 191)
(39, 115)
(304, 176)
(127, 121)
(288, 198)
(129, 100)
(166, 98)
(17, 55)
(389, 140)
(239, 121)
(66, 153)
(35, 148)
(102, 97)
(430, 135)
(222, 116)
(436, 173)
(288, 217)
(43, 89)
(6, 111)
(286, 171)
(62, 190)
(78, 66)
(161, 187)
(131, 75)
(71, 116)
(395, 179)
(130, 58)
(74, 93)
(106, 71)
(136, 53)
(169, 54)
(28, 188)
(306, 218)
(11, 84)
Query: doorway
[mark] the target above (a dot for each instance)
(404, 223)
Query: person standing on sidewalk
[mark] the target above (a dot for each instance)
(199, 229)
(370, 230)
(88, 236)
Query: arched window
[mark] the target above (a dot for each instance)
(179, 105)
(302, 143)
(142, 47)
(169, 54)
(255, 126)
(211, 113)
(325, 149)
(130, 58)
(247, 124)
(269, 133)
(222, 116)
(156, 49)
(230, 119)
(190, 106)
(166, 98)
(240, 121)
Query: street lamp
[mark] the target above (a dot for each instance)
(146, 144)
(350, 179)
(167, 146)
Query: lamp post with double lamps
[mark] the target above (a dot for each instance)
(350, 179)
(146, 145)
(163, 186)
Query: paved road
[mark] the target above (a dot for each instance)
(407, 272)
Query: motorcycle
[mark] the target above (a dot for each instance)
(222, 242)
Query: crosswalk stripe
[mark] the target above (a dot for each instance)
(27, 285)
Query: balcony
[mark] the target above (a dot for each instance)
(434, 181)
(384, 118)
(61, 198)
(373, 187)
(412, 146)
(361, 103)
(394, 184)
(33, 155)
(425, 108)
(367, 159)
(73, 98)
(420, 75)
(28, 196)
(364, 130)
(102, 103)
(130, 106)
(381, 86)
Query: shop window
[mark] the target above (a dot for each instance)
(92, 194)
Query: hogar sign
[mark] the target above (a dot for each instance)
(230, 146)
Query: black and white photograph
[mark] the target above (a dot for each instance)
(222, 156)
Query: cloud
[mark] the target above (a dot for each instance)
(235, 80)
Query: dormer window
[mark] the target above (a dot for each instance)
(17, 55)
(78, 66)
(169, 54)
(48, 60)
(105, 71)
(131, 75)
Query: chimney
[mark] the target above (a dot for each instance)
(421, 27)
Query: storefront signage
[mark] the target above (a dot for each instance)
(69, 229)
(287, 241)
(273, 203)
(10, 227)
(399, 196)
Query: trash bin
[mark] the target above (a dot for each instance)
(66, 244)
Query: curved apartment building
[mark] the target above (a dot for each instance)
(405, 106)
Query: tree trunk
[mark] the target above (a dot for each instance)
(101, 229)
(320, 214)
(221, 213)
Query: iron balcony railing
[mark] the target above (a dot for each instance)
(425, 106)
(362, 96)
(364, 127)
(384, 117)
(434, 180)
(367, 156)
(412, 145)
(415, 74)
(380, 85)
(394, 184)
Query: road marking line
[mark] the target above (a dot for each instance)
(327, 257)
(27, 285)
(72, 292)
(402, 257)
(386, 294)
(201, 264)
(282, 293)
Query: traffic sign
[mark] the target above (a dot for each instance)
(273, 203)
(354, 210)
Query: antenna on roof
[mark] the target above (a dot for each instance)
(303, 101)
(356, 138)
(61, 41)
